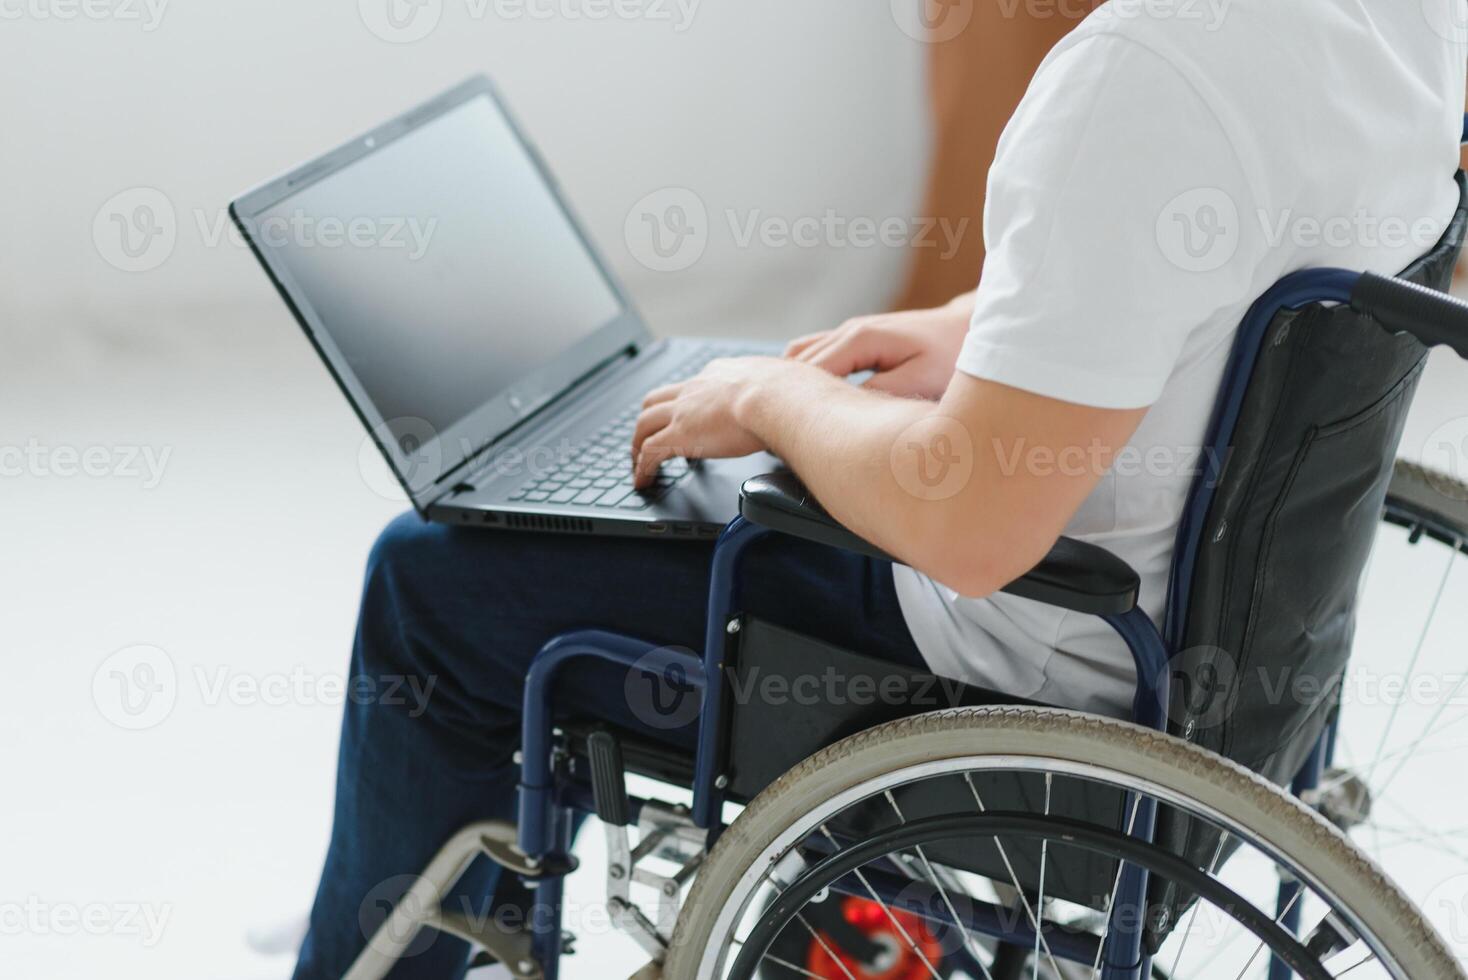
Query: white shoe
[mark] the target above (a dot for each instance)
(280, 938)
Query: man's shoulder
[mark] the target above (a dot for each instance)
(1216, 36)
(1290, 85)
(1302, 42)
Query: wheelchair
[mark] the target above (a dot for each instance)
(991, 838)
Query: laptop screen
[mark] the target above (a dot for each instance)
(445, 275)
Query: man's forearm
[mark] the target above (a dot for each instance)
(969, 490)
(964, 488)
(840, 439)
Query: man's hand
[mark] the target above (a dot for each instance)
(1015, 466)
(912, 353)
(697, 418)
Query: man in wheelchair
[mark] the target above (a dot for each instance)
(1156, 180)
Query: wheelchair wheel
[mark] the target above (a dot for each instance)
(853, 936)
(1403, 720)
(794, 842)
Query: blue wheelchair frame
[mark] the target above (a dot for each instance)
(546, 803)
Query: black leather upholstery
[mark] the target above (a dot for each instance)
(1263, 644)
(1075, 575)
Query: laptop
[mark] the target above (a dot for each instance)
(483, 342)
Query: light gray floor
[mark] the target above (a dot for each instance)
(241, 566)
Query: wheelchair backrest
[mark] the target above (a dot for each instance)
(1274, 545)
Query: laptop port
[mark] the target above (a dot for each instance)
(657, 528)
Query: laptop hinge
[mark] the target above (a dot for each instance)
(452, 480)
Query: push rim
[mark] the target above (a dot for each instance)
(715, 956)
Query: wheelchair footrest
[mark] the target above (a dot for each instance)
(500, 845)
(608, 779)
(512, 949)
(484, 958)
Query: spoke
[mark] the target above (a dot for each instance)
(1423, 736)
(1277, 920)
(968, 939)
(1425, 833)
(1193, 912)
(1456, 721)
(901, 930)
(826, 946)
(790, 966)
(1040, 899)
(1391, 720)
(1013, 878)
(1406, 836)
(1346, 750)
(1441, 708)
(1343, 747)
(1370, 955)
(774, 883)
(1115, 890)
(1439, 748)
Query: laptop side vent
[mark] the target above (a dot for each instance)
(547, 522)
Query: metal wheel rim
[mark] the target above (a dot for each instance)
(712, 962)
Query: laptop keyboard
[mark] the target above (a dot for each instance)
(598, 471)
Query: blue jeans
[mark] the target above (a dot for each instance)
(450, 619)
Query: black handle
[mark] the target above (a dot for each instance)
(1405, 307)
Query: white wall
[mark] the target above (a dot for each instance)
(786, 109)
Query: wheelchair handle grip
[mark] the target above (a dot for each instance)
(1432, 317)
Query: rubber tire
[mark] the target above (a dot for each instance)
(1267, 812)
(1432, 492)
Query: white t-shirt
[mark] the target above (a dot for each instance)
(1170, 161)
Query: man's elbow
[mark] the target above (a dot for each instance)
(977, 562)
(974, 579)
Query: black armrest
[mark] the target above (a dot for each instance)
(1075, 575)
